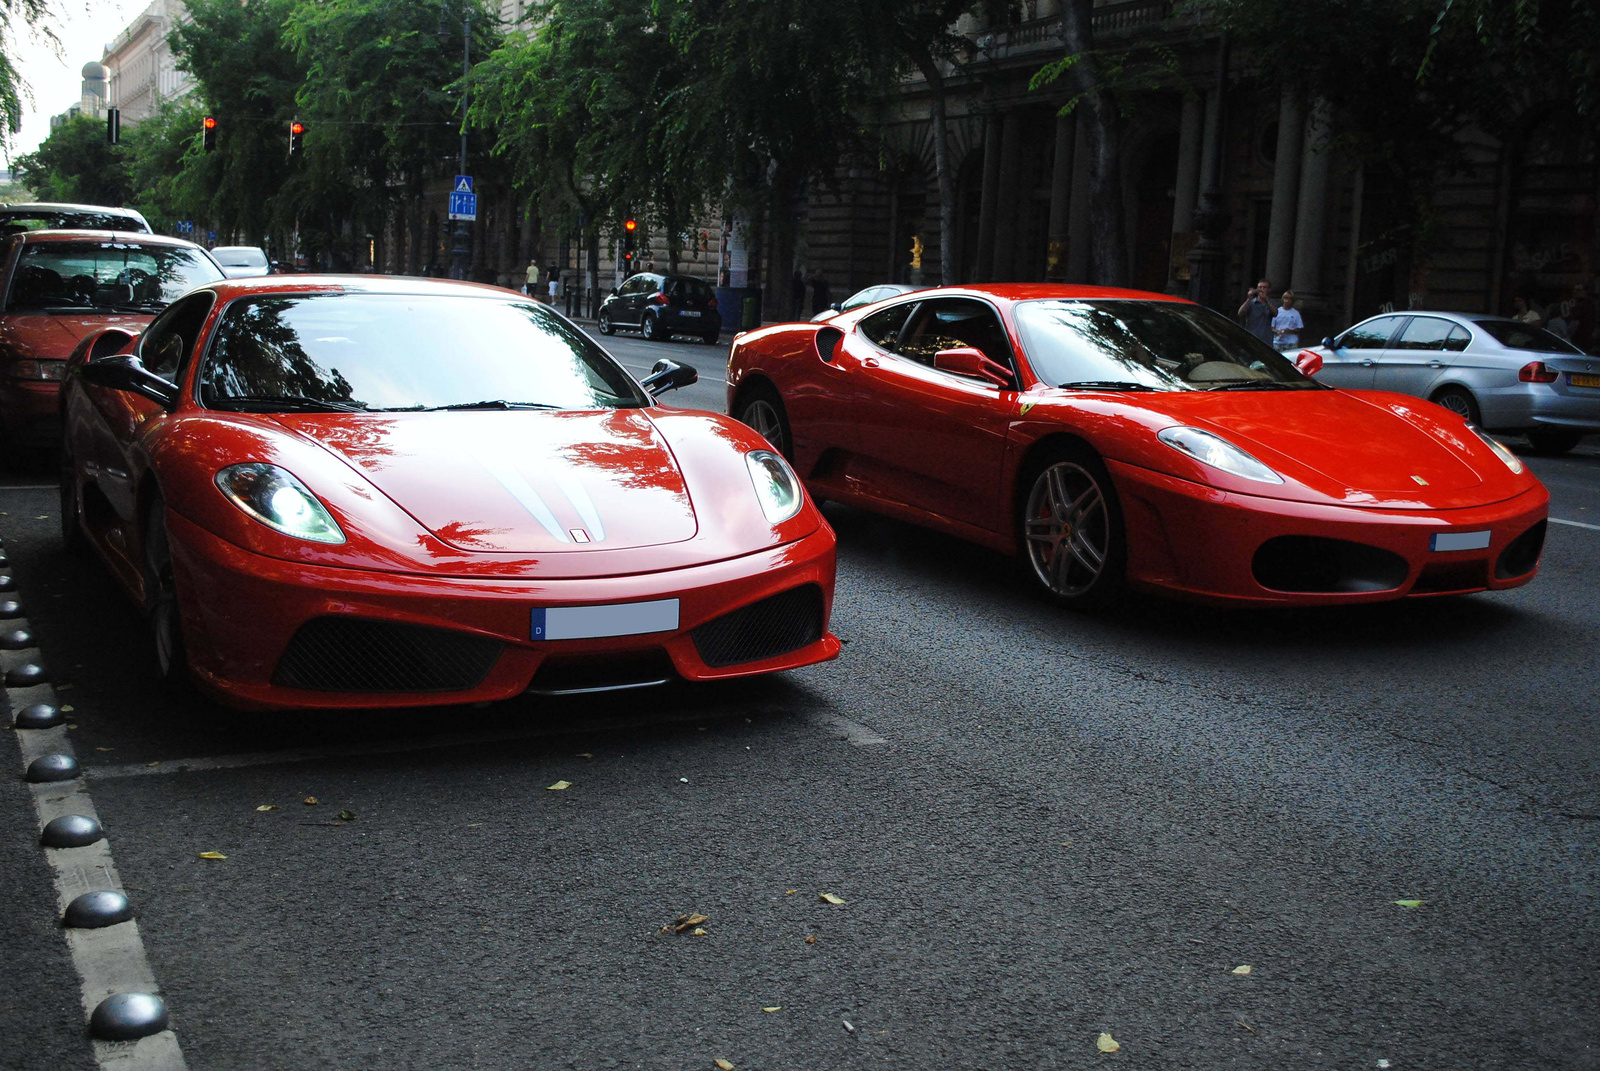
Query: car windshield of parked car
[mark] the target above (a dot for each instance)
(405, 352)
(1148, 345)
(72, 276)
(1516, 335)
(240, 257)
(57, 219)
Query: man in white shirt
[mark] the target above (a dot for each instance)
(1287, 324)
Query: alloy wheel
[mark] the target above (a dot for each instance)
(763, 416)
(1068, 529)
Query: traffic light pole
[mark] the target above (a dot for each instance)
(460, 254)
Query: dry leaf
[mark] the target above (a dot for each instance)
(156, 763)
(212, 855)
(1409, 904)
(1106, 1043)
(790, 892)
(105, 749)
(559, 786)
(829, 898)
(724, 1064)
(688, 922)
(267, 807)
(698, 932)
(775, 1007)
(310, 801)
(812, 939)
(585, 755)
(1243, 968)
(67, 708)
(347, 815)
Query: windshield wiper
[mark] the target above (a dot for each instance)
(1257, 384)
(491, 403)
(288, 401)
(1107, 384)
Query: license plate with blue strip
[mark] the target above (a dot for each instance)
(1459, 541)
(596, 622)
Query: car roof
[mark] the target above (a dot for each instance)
(81, 234)
(228, 289)
(237, 249)
(1017, 292)
(63, 206)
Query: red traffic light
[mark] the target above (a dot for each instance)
(208, 133)
(631, 225)
(296, 128)
(209, 122)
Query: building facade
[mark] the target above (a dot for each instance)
(143, 71)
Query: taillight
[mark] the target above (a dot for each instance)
(1536, 372)
(658, 298)
(711, 303)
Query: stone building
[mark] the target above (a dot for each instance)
(143, 70)
(91, 101)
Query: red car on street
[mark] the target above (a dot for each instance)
(60, 286)
(359, 491)
(1118, 437)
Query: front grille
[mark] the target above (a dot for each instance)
(349, 654)
(776, 625)
(1315, 564)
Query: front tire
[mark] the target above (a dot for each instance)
(1554, 443)
(1072, 533)
(604, 323)
(161, 601)
(71, 516)
(1459, 401)
(712, 339)
(651, 330)
(763, 410)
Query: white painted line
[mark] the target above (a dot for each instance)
(111, 959)
(845, 729)
(1576, 524)
(30, 487)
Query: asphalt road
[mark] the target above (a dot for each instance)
(1042, 825)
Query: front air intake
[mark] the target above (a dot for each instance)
(1315, 564)
(774, 626)
(350, 654)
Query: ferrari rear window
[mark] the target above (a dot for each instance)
(398, 352)
(1147, 345)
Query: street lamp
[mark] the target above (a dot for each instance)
(460, 254)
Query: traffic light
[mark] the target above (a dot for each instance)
(208, 133)
(297, 133)
(113, 125)
(629, 229)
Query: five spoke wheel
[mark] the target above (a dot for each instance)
(1071, 530)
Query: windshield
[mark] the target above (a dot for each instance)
(59, 219)
(389, 352)
(1147, 345)
(1516, 335)
(88, 275)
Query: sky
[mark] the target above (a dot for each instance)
(84, 27)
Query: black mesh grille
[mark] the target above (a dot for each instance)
(347, 654)
(776, 625)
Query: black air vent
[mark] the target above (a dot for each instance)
(776, 625)
(349, 654)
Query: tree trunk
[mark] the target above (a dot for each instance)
(1107, 235)
(941, 166)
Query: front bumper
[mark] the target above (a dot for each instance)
(1197, 541)
(236, 642)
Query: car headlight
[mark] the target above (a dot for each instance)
(1219, 453)
(1513, 462)
(275, 498)
(777, 486)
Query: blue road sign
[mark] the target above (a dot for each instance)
(464, 184)
(185, 226)
(463, 205)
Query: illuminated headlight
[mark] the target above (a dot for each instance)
(1219, 453)
(31, 369)
(275, 498)
(1513, 462)
(776, 485)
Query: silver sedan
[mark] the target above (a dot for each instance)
(1501, 374)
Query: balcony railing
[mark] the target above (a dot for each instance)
(1108, 20)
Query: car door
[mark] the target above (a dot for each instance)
(1352, 361)
(1418, 356)
(931, 439)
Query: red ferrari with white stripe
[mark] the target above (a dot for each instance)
(1115, 437)
(359, 491)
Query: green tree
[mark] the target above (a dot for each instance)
(13, 91)
(75, 163)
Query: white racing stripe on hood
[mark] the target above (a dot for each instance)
(573, 489)
(519, 488)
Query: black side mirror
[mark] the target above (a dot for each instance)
(126, 373)
(1328, 342)
(613, 291)
(837, 306)
(670, 375)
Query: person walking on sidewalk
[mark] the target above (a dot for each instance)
(531, 287)
(1256, 312)
(1287, 324)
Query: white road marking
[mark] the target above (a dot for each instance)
(30, 487)
(1576, 524)
(845, 729)
(108, 960)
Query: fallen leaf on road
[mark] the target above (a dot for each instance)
(212, 855)
(1106, 1043)
(105, 749)
(310, 801)
(1246, 1025)
(790, 892)
(267, 807)
(812, 939)
(688, 922)
(1243, 968)
(347, 815)
(698, 932)
(559, 786)
(1409, 904)
(585, 755)
(725, 1065)
(156, 763)
(848, 1025)
(62, 688)
(775, 1007)
(829, 898)
(66, 708)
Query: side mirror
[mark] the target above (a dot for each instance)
(837, 306)
(1328, 344)
(1309, 362)
(613, 291)
(127, 374)
(669, 375)
(971, 361)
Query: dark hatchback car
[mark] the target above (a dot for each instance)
(661, 306)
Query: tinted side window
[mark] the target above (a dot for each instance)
(1459, 338)
(1372, 335)
(883, 328)
(166, 346)
(1424, 333)
(949, 323)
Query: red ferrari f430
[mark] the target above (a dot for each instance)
(1124, 438)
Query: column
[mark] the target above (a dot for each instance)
(1185, 193)
(1209, 141)
(1285, 187)
(988, 201)
(1078, 211)
(1005, 216)
(1055, 269)
(1310, 224)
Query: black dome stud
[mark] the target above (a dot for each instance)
(71, 831)
(8, 583)
(93, 910)
(10, 608)
(15, 639)
(25, 676)
(39, 716)
(47, 768)
(128, 1016)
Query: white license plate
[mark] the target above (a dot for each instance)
(1459, 541)
(688, 312)
(594, 622)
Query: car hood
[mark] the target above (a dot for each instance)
(54, 335)
(522, 481)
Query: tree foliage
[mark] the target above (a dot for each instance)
(76, 164)
(33, 16)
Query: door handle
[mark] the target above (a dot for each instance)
(1368, 363)
(1435, 364)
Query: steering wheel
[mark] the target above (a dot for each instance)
(145, 285)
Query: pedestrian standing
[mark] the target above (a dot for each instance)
(1256, 313)
(820, 296)
(1525, 312)
(1287, 324)
(797, 294)
(531, 287)
(1580, 319)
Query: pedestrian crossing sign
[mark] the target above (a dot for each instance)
(463, 184)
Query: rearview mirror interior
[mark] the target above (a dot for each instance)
(125, 373)
(973, 362)
(670, 375)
